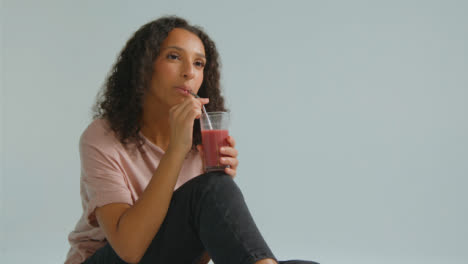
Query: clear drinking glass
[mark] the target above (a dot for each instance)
(214, 130)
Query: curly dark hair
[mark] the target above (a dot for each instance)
(120, 101)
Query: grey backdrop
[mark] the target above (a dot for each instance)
(350, 118)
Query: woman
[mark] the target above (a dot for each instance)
(146, 198)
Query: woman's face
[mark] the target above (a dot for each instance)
(178, 68)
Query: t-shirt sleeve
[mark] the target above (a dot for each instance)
(103, 181)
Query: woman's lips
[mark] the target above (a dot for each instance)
(182, 91)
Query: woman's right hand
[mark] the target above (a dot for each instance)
(181, 118)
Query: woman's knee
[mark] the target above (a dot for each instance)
(216, 182)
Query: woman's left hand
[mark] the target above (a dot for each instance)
(230, 156)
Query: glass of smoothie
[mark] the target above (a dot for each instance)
(214, 130)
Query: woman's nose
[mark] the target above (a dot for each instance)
(188, 71)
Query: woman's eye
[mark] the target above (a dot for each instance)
(200, 64)
(173, 56)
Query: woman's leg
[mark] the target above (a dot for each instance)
(206, 213)
(224, 223)
(219, 217)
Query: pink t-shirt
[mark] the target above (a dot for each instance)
(111, 173)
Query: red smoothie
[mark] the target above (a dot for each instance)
(212, 141)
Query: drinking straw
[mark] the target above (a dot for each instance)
(204, 110)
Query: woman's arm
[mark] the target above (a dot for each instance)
(130, 229)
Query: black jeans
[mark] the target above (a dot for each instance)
(208, 213)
